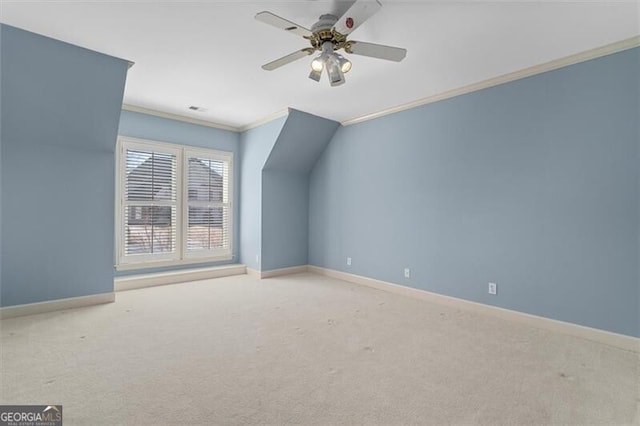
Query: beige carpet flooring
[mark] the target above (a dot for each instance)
(306, 349)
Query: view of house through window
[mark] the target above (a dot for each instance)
(150, 202)
(208, 199)
(174, 203)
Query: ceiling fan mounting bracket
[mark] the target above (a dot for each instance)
(347, 47)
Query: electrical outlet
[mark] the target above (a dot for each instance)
(407, 273)
(493, 288)
(348, 261)
(258, 259)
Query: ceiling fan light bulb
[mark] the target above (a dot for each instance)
(317, 64)
(345, 65)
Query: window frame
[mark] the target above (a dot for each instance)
(180, 256)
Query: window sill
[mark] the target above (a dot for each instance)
(165, 263)
(175, 277)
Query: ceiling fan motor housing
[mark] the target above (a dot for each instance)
(325, 22)
(323, 31)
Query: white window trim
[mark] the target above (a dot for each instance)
(180, 257)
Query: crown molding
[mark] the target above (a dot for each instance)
(171, 116)
(268, 118)
(597, 52)
(201, 122)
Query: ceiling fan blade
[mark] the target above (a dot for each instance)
(373, 50)
(359, 12)
(283, 24)
(287, 59)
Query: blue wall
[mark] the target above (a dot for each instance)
(285, 219)
(143, 126)
(285, 189)
(256, 145)
(532, 184)
(60, 111)
(1, 166)
(276, 160)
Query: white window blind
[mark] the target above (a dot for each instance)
(208, 204)
(150, 204)
(174, 204)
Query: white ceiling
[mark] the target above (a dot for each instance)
(209, 53)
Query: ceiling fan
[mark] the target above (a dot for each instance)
(328, 36)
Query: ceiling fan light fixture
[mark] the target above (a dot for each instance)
(330, 35)
(344, 63)
(336, 76)
(315, 75)
(317, 64)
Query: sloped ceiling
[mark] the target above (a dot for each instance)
(302, 140)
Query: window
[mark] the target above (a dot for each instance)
(208, 203)
(157, 225)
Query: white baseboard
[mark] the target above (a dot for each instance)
(253, 272)
(601, 336)
(277, 272)
(284, 271)
(56, 305)
(173, 277)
